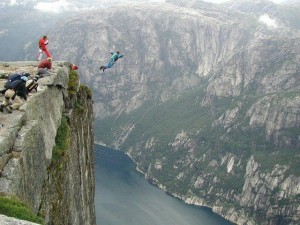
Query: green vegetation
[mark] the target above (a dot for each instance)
(83, 92)
(62, 140)
(281, 157)
(157, 120)
(87, 90)
(73, 83)
(13, 207)
(79, 108)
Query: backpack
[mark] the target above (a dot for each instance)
(31, 85)
(11, 80)
(15, 84)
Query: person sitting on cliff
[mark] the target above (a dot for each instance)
(114, 58)
(15, 93)
(44, 66)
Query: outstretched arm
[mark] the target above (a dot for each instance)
(121, 56)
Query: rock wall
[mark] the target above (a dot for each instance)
(63, 191)
(199, 97)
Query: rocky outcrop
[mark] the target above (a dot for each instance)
(12, 221)
(205, 100)
(61, 190)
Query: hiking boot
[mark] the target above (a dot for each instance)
(1, 108)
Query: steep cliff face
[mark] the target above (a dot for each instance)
(59, 187)
(205, 100)
(163, 57)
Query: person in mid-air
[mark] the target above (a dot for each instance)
(114, 58)
(43, 48)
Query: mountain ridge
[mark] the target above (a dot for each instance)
(205, 101)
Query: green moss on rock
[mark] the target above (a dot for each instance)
(13, 207)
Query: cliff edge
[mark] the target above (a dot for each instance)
(46, 148)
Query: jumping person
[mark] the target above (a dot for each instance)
(114, 58)
(43, 42)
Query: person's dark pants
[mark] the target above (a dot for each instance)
(42, 72)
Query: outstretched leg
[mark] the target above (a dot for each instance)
(110, 63)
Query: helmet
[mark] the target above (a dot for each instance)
(24, 78)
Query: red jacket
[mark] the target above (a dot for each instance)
(45, 64)
(42, 43)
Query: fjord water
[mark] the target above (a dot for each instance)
(124, 197)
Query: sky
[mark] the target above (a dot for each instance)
(275, 1)
(57, 6)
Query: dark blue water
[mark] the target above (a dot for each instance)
(124, 197)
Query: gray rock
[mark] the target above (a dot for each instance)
(27, 139)
(12, 221)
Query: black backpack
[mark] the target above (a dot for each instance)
(11, 83)
(11, 80)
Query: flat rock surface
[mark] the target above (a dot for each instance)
(8, 68)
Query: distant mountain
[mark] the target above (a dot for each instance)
(206, 100)
(19, 27)
(287, 14)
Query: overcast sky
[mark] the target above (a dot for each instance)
(275, 1)
(65, 5)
